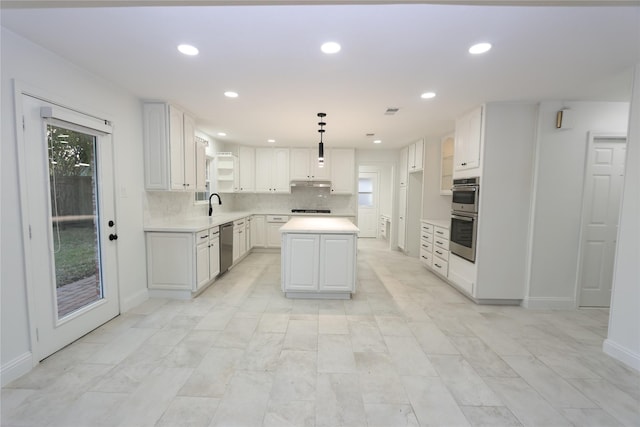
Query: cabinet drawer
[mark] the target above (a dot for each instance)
(427, 228)
(214, 233)
(426, 238)
(441, 232)
(277, 218)
(440, 266)
(443, 254)
(426, 257)
(426, 246)
(202, 237)
(441, 243)
(238, 223)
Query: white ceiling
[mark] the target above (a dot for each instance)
(390, 54)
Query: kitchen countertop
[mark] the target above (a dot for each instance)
(444, 223)
(194, 225)
(319, 225)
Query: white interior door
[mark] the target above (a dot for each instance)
(601, 206)
(368, 204)
(70, 214)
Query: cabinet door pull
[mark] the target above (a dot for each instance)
(439, 242)
(204, 237)
(437, 265)
(439, 253)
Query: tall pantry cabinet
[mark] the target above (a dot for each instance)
(410, 197)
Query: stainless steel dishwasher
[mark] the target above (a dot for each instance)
(226, 246)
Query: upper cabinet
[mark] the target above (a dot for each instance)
(247, 169)
(415, 156)
(169, 148)
(446, 164)
(404, 173)
(468, 141)
(343, 176)
(304, 165)
(272, 170)
(226, 178)
(201, 165)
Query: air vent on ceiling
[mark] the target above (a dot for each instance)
(391, 111)
(369, 135)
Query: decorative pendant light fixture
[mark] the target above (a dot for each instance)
(322, 124)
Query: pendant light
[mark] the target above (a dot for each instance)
(322, 124)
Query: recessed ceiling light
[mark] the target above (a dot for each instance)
(330, 47)
(222, 134)
(187, 49)
(231, 94)
(480, 48)
(377, 141)
(271, 140)
(428, 95)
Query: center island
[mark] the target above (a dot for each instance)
(319, 257)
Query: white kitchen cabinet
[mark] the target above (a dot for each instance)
(343, 176)
(302, 252)
(181, 264)
(258, 231)
(403, 169)
(169, 148)
(402, 216)
(468, 142)
(274, 222)
(201, 166)
(247, 169)
(239, 240)
(319, 263)
(446, 164)
(226, 173)
(304, 165)
(272, 170)
(415, 156)
(434, 246)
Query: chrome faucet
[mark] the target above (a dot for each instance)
(219, 202)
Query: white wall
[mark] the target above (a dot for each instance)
(559, 176)
(434, 205)
(623, 341)
(67, 84)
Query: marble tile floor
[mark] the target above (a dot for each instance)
(407, 350)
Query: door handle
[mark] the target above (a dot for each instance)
(113, 237)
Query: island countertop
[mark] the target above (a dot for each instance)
(316, 225)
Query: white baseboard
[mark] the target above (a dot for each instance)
(16, 368)
(622, 354)
(134, 300)
(549, 303)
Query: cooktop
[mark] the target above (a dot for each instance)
(325, 211)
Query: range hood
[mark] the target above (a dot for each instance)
(316, 184)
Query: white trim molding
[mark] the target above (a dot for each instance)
(16, 368)
(622, 354)
(549, 303)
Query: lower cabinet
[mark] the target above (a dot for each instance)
(274, 222)
(319, 265)
(258, 232)
(180, 264)
(434, 246)
(239, 239)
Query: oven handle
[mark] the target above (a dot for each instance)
(465, 187)
(464, 218)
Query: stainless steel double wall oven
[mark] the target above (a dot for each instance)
(464, 217)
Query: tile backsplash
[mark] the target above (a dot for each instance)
(170, 205)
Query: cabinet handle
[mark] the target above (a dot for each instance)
(440, 232)
(437, 265)
(439, 242)
(463, 164)
(424, 257)
(439, 253)
(204, 237)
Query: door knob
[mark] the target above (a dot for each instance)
(113, 237)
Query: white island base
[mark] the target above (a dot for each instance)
(319, 257)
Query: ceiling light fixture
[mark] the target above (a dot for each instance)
(377, 141)
(479, 48)
(231, 94)
(428, 95)
(187, 49)
(330, 47)
(222, 134)
(322, 124)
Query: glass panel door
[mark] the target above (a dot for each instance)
(74, 218)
